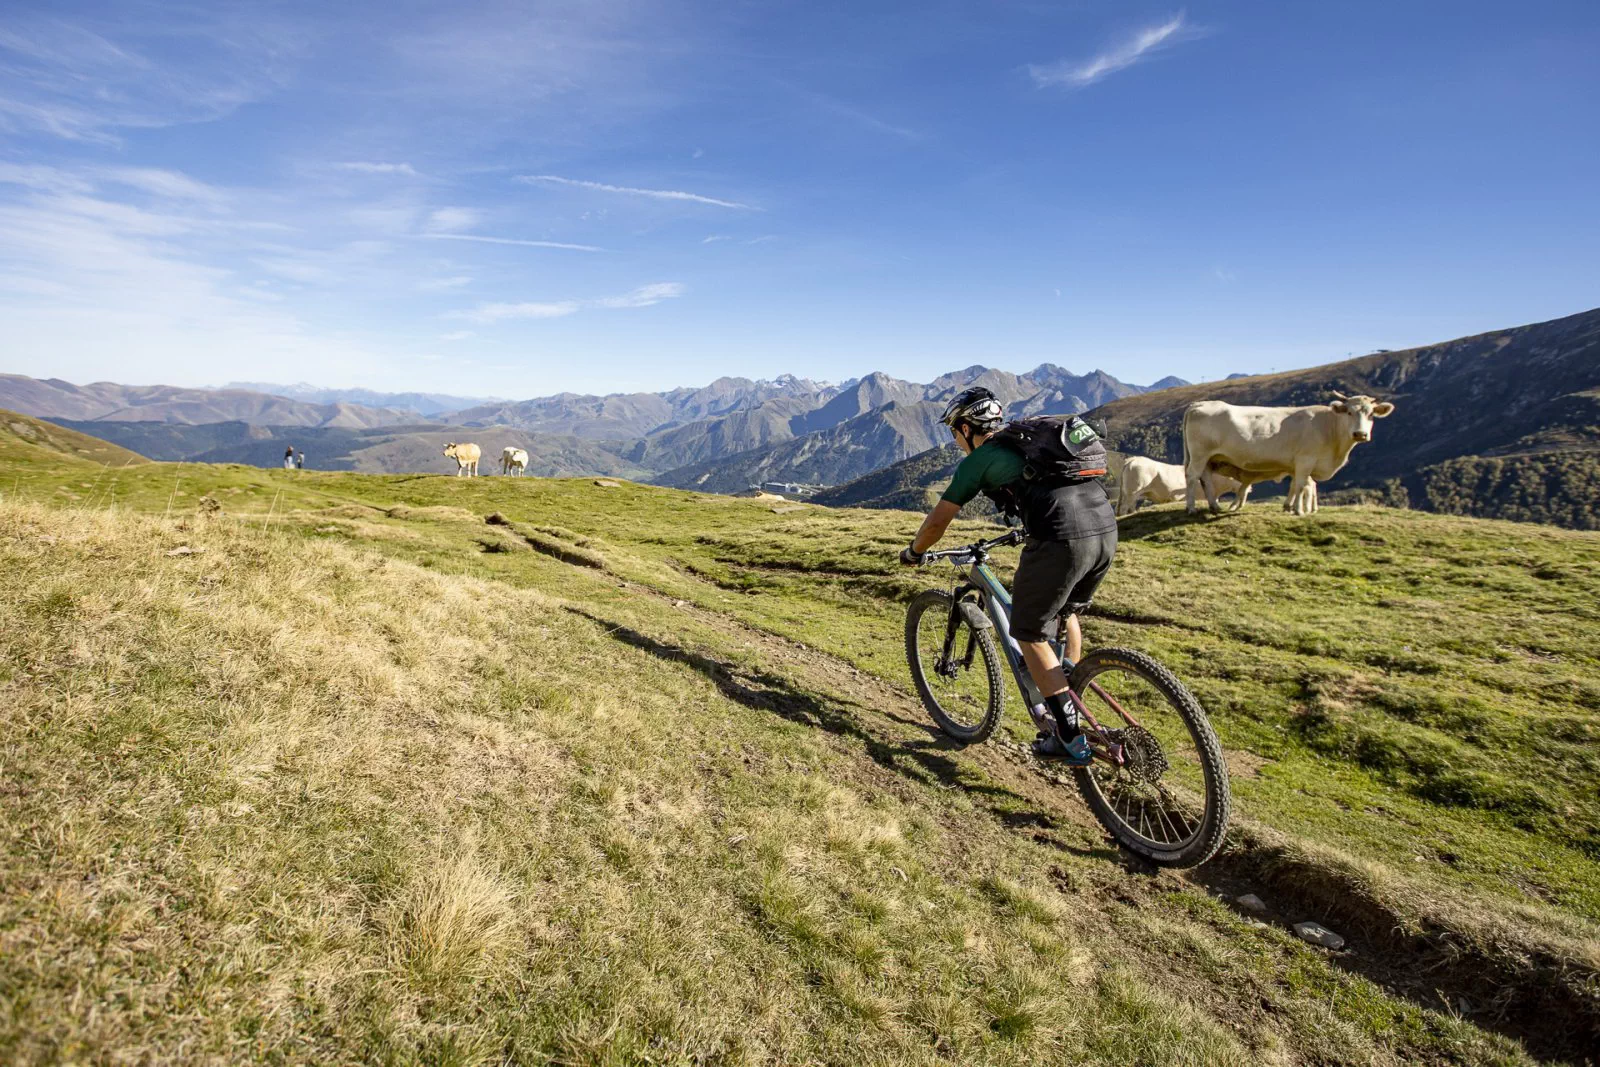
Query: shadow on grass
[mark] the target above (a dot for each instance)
(1142, 524)
(925, 762)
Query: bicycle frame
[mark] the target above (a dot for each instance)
(995, 601)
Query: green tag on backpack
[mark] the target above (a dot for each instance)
(1081, 433)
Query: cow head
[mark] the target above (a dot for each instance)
(450, 449)
(1359, 411)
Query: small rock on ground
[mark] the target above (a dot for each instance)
(1251, 903)
(1319, 935)
(607, 483)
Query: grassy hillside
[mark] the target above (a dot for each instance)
(431, 772)
(26, 442)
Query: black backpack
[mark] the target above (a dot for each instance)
(1056, 449)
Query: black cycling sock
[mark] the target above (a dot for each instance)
(1066, 715)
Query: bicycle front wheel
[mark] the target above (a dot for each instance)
(962, 690)
(1168, 801)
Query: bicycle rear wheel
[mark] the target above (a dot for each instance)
(961, 692)
(1169, 800)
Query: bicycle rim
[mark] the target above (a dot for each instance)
(962, 693)
(1169, 799)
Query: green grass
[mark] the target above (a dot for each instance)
(1413, 693)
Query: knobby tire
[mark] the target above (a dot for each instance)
(1218, 801)
(937, 601)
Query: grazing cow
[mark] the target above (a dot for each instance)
(513, 461)
(1252, 444)
(1142, 478)
(466, 457)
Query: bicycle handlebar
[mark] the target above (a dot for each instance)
(976, 551)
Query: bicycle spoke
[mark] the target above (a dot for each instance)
(1158, 792)
(957, 672)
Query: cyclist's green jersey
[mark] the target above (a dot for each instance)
(1048, 512)
(988, 468)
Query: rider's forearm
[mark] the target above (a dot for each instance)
(934, 526)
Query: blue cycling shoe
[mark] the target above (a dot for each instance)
(1074, 753)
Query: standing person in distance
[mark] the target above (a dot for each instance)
(1071, 532)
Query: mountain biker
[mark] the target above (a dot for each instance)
(1071, 532)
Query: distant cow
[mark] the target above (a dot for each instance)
(513, 461)
(1253, 444)
(1141, 478)
(466, 457)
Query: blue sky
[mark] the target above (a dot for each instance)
(607, 195)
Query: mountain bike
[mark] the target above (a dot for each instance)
(1157, 783)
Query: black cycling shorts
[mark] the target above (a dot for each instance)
(1056, 578)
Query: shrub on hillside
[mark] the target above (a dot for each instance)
(1561, 488)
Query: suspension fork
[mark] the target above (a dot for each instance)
(952, 626)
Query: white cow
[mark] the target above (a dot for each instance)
(1141, 478)
(466, 457)
(513, 461)
(1255, 444)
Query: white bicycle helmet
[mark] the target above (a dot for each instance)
(977, 407)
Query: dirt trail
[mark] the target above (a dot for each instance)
(1434, 968)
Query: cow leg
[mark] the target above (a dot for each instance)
(1294, 503)
(1193, 475)
(1240, 495)
(1210, 485)
(1311, 488)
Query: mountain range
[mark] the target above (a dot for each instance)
(1502, 424)
(424, 404)
(52, 398)
(722, 437)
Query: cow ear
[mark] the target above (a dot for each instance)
(1383, 410)
(1340, 406)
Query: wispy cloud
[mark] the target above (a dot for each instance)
(644, 296)
(628, 190)
(404, 169)
(1075, 74)
(859, 116)
(439, 285)
(71, 82)
(97, 269)
(452, 219)
(39, 176)
(298, 270)
(457, 335)
(168, 184)
(714, 238)
(485, 239)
